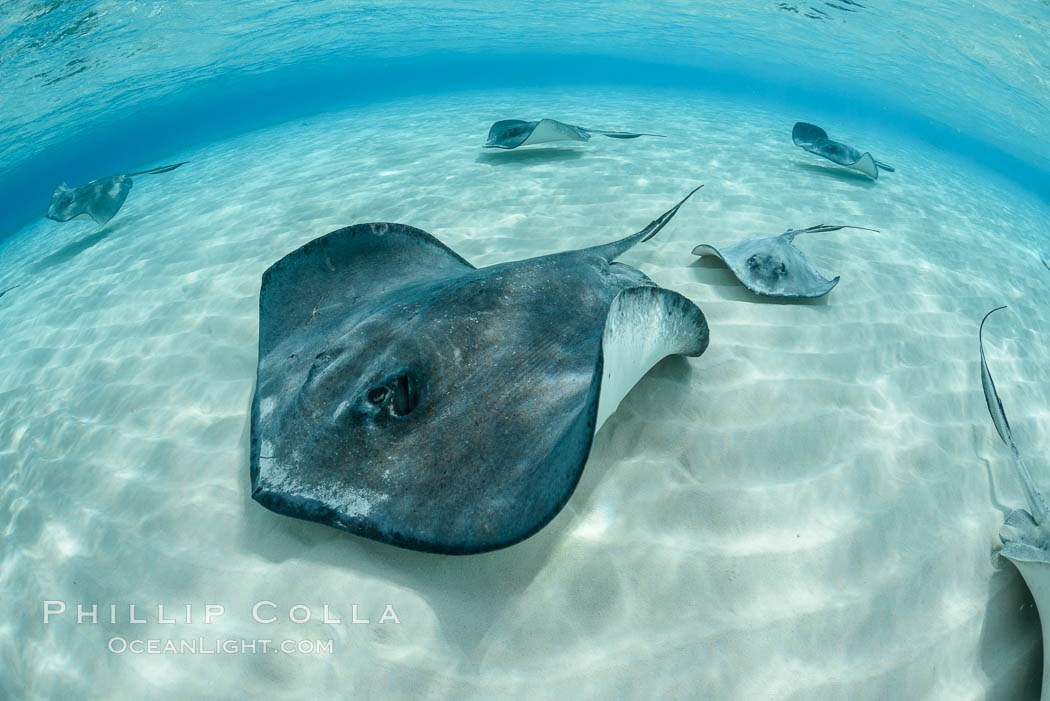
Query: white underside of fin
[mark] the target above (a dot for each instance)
(549, 130)
(1036, 575)
(645, 325)
(866, 165)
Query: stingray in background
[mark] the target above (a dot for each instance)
(406, 396)
(1025, 535)
(815, 140)
(772, 266)
(512, 133)
(100, 199)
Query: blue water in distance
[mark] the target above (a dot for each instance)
(92, 89)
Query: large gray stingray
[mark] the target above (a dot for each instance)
(1025, 535)
(406, 396)
(773, 267)
(512, 133)
(815, 140)
(100, 199)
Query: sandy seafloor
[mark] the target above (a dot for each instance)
(809, 510)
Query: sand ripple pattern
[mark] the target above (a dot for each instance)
(806, 511)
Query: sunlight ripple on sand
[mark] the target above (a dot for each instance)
(806, 511)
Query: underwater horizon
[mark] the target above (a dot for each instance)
(500, 445)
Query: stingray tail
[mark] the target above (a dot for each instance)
(790, 234)
(623, 134)
(1002, 426)
(887, 168)
(611, 251)
(157, 171)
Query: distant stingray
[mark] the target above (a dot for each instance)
(1025, 536)
(815, 140)
(406, 396)
(100, 199)
(512, 133)
(773, 267)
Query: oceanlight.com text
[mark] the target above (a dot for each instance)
(207, 646)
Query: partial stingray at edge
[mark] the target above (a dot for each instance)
(406, 396)
(511, 133)
(1025, 534)
(772, 266)
(812, 138)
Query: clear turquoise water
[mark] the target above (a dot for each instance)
(92, 88)
(805, 511)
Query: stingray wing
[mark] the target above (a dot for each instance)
(345, 265)
(804, 133)
(104, 198)
(512, 133)
(772, 267)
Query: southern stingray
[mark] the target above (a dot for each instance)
(1025, 534)
(406, 396)
(100, 199)
(815, 140)
(772, 266)
(512, 133)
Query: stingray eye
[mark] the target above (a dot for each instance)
(752, 262)
(782, 269)
(406, 395)
(377, 395)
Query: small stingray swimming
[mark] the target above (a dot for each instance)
(100, 199)
(772, 266)
(1025, 535)
(406, 396)
(815, 140)
(512, 133)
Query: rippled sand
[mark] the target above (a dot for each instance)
(808, 510)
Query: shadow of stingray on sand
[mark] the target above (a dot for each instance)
(73, 249)
(838, 173)
(469, 595)
(529, 156)
(713, 272)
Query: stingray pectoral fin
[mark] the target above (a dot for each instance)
(866, 164)
(803, 133)
(1025, 544)
(548, 130)
(707, 250)
(110, 196)
(364, 260)
(645, 325)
